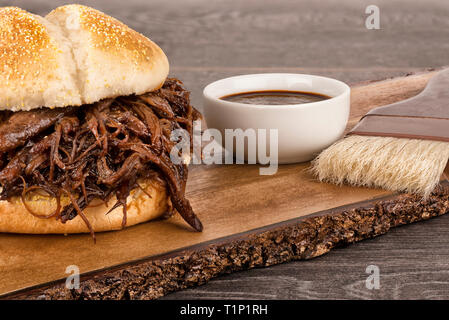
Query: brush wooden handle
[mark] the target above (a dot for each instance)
(425, 116)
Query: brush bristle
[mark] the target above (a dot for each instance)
(410, 165)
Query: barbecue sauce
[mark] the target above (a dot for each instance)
(275, 97)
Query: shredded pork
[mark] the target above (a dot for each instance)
(96, 151)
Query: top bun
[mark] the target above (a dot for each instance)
(75, 55)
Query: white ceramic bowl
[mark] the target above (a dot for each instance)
(303, 129)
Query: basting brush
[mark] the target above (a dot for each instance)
(403, 146)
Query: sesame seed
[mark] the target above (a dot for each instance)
(19, 58)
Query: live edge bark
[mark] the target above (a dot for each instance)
(304, 239)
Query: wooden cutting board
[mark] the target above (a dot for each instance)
(250, 221)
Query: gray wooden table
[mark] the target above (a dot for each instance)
(206, 40)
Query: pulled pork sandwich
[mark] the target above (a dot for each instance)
(86, 115)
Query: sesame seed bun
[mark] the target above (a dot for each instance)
(75, 55)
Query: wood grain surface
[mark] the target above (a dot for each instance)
(412, 260)
(219, 39)
(232, 201)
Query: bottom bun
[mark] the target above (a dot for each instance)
(15, 218)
